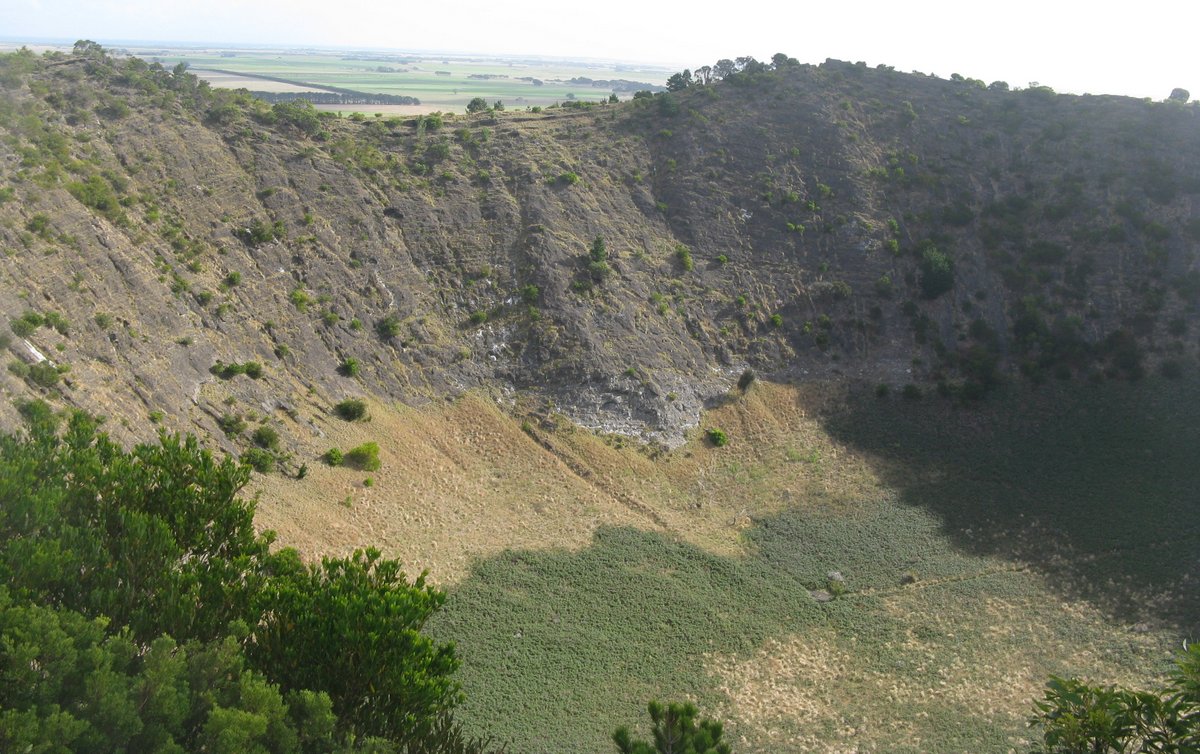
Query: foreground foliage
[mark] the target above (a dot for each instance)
(1077, 718)
(142, 611)
(676, 731)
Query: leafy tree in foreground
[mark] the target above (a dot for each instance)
(1080, 719)
(141, 612)
(386, 677)
(154, 539)
(675, 731)
(68, 684)
(477, 105)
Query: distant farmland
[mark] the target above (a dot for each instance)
(440, 83)
(229, 80)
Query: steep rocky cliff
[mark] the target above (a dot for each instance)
(622, 264)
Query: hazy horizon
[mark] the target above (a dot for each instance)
(1070, 46)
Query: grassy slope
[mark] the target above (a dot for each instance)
(1048, 534)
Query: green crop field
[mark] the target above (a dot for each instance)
(414, 75)
(1044, 533)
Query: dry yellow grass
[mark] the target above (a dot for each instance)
(461, 481)
(986, 656)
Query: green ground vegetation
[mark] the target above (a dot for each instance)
(1020, 539)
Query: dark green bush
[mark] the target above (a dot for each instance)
(351, 409)
(333, 457)
(717, 437)
(350, 367)
(388, 327)
(746, 379)
(22, 327)
(43, 374)
(259, 459)
(937, 273)
(227, 371)
(232, 424)
(266, 437)
(676, 730)
(260, 232)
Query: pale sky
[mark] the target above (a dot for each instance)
(1143, 49)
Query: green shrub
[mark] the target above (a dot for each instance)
(776, 320)
(911, 392)
(233, 369)
(717, 437)
(388, 327)
(333, 457)
(98, 194)
(350, 367)
(530, 294)
(300, 298)
(266, 437)
(937, 273)
(351, 409)
(261, 232)
(233, 278)
(365, 457)
(684, 255)
(599, 271)
(478, 317)
(259, 459)
(231, 424)
(103, 321)
(44, 374)
(22, 327)
(39, 224)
